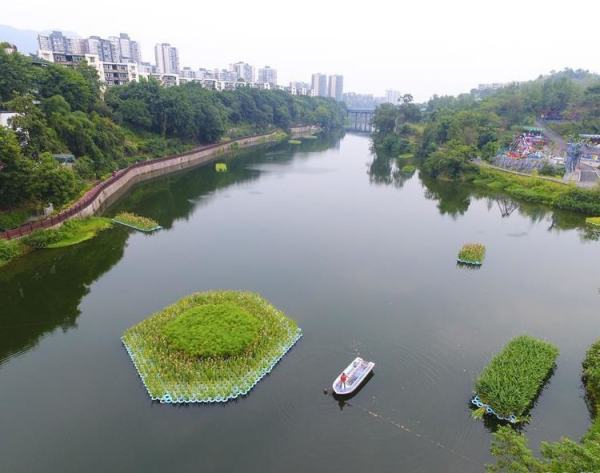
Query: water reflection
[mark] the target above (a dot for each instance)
(454, 199)
(42, 291)
(173, 197)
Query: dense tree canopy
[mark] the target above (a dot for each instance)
(452, 130)
(64, 110)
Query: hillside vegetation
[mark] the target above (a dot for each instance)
(64, 110)
(447, 133)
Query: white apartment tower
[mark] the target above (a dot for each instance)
(167, 58)
(128, 50)
(336, 87)
(244, 71)
(267, 75)
(319, 85)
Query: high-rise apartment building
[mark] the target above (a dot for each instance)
(127, 49)
(335, 87)
(244, 71)
(167, 58)
(103, 48)
(319, 85)
(58, 43)
(267, 75)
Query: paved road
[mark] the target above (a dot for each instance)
(558, 140)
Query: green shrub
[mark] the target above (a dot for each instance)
(42, 238)
(408, 169)
(9, 249)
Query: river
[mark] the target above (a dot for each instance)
(361, 256)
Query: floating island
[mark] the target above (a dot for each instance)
(209, 347)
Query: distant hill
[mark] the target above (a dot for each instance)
(24, 40)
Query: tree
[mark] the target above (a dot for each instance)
(385, 117)
(15, 170)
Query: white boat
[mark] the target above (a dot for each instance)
(355, 372)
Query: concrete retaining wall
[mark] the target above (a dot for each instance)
(108, 191)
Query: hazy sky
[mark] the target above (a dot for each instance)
(421, 46)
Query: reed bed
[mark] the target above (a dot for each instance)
(472, 253)
(173, 374)
(138, 222)
(511, 382)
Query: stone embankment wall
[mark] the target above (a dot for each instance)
(108, 190)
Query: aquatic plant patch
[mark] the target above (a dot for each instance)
(471, 253)
(79, 230)
(510, 383)
(209, 347)
(138, 222)
(221, 167)
(593, 221)
(295, 142)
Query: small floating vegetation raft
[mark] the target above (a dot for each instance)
(471, 253)
(593, 221)
(295, 142)
(209, 347)
(221, 167)
(511, 382)
(138, 222)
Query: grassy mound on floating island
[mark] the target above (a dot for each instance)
(471, 253)
(132, 220)
(209, 347)
(511, 382)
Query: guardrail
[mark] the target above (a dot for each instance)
(89, 197)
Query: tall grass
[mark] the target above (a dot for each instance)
(472, 253)
(168, 370)
(138, 222)
(511, 382)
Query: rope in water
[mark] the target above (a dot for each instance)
(402, 427)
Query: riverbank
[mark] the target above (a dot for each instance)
(47, 233)
(95, 198)
(536, 189)
(70, 233)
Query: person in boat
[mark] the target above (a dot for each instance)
(343, 379)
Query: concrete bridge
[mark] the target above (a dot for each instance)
(360, 119)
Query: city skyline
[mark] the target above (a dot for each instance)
(396, 50)
(118, 60)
